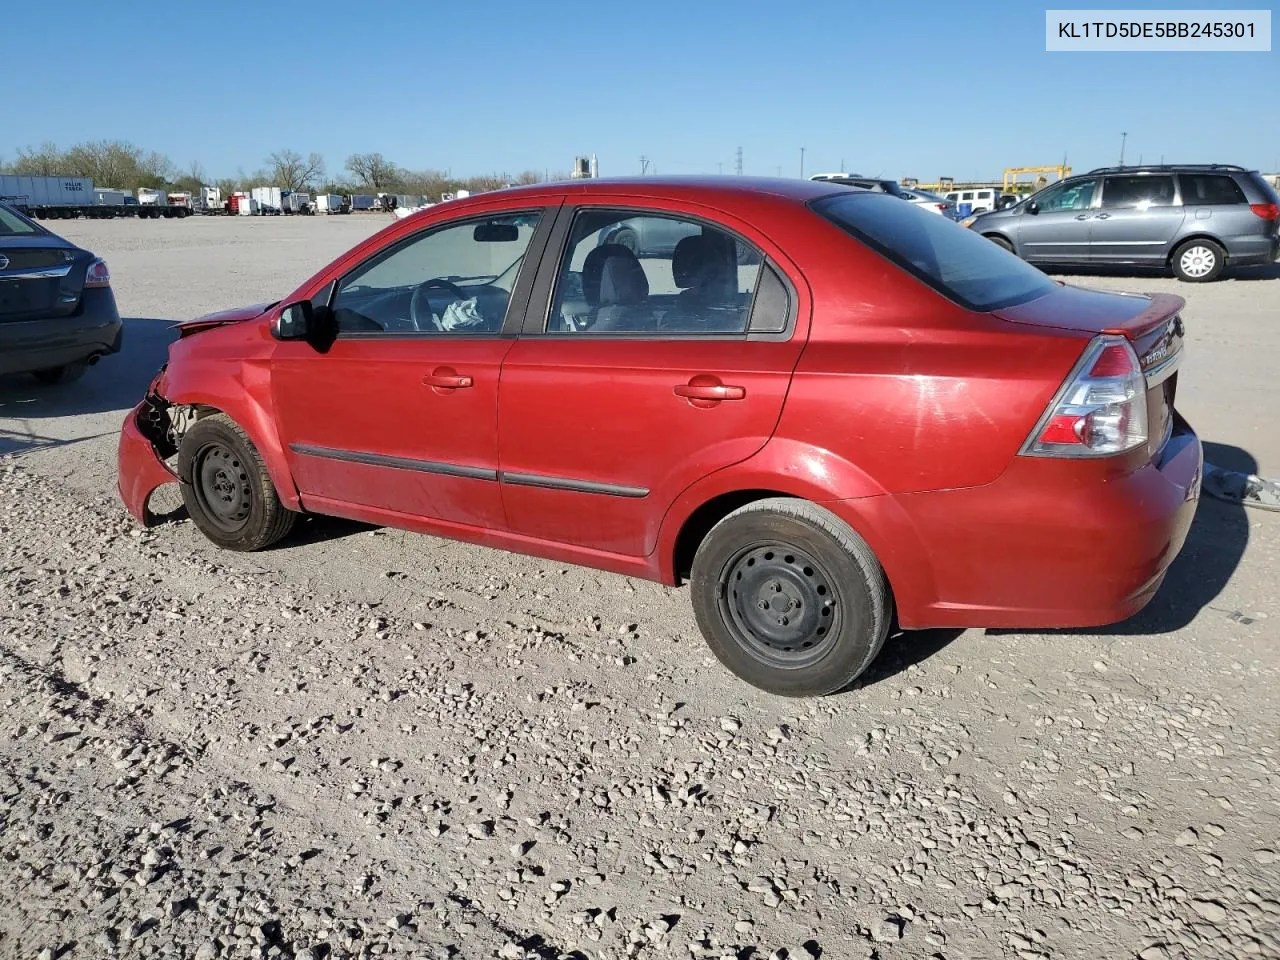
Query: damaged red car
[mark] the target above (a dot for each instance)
(830, 412)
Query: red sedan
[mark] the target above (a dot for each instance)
(827, 410)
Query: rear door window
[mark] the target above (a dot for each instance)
(634, 273)
(1137, 192)
(1209, 188)
(962, 265)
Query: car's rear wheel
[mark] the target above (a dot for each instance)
(1000, 241)
(789, 598)
(63, 374)
(1198, 261)
(226, 487)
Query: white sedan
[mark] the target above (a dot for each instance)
(930, 201)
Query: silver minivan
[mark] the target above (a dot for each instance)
(1195, 219)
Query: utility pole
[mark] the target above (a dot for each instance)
(739, 164)
(802, 163)
(719, 166)
(644, 165)
(779, 169)
(1123, 136)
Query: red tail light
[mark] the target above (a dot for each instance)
(98, 275)
(1100, 411)
(1267, 211)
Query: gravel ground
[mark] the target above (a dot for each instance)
(370, 743)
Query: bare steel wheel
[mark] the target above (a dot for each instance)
(790, 598)
(778, 601)
(226, 487)
(1198, 261)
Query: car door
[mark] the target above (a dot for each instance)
(1138, 218)
(1055, 224)
(637, 377)
(399, 414)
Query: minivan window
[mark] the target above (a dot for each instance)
(1072, 195)
(1138, 192)
(961, 265)
(1209, 188)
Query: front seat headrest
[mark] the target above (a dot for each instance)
(611, 274)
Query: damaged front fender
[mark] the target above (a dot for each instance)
(141, 471)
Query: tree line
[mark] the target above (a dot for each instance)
(120, 165)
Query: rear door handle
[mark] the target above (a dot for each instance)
(446, 379)
(1082, 216)
(1103, 216)
(710, 391)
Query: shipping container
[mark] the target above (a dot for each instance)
(328, 203)
(148, 197)
(269, 198)
(110, 198)
(47, 191)
(363, 201)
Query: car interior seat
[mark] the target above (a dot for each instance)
(614, 285)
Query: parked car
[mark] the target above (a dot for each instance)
(975, 200)
(1194, 219)
(885, 420)
(57, 311)
(930, 201)
(657, 237)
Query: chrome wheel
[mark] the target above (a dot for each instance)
(1197, 261)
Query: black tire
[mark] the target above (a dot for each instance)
(226, 487)
(999, 241)
(1198, 261)
(789, 598)
(627, 238)
(65, 374)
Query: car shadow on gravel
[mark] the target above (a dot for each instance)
(115, 383)
(1213, 550)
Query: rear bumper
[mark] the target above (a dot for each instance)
(140, 471)
(1047, 545)
(94, 330)
(1251, 250)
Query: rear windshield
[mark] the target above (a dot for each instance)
(961, 265)
(13, 223)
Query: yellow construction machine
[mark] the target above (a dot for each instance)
(1015, 186)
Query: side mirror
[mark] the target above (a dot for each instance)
(295, 322)
(1033, 207)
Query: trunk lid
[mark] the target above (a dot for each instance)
(1152, 322)
(40, 276)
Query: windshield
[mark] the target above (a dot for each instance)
(13, 223)
(961, 265)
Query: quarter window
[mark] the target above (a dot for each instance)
(454, 279)
(627, 273)
(1209, 188)
(1138, 192)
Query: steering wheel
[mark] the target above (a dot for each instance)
(420, 306)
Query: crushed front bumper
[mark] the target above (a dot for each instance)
(140, 470)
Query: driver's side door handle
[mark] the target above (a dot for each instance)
(447, 381)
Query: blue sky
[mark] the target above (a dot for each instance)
(921, 89)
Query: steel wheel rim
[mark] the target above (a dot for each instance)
(1197, 261)
(780, 605)
(222, 487)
